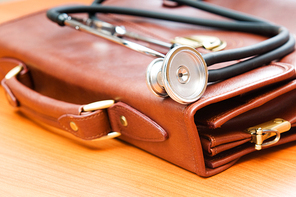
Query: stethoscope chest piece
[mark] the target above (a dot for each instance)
(182, 74)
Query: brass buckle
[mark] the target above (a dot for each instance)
(14, 72)
(97, 106)
(112, 134)
(266, 130)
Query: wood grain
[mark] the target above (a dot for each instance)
(38, 162)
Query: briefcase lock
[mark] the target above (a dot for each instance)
(266, 130)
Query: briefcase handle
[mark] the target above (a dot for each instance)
(95, 121)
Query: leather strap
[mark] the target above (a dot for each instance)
(56, 113)
(71, 117)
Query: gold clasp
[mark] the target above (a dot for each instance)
(266, 130)
(208, 42)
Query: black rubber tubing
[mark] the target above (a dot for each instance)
(242, 67)
(244, 26)
(248, 51)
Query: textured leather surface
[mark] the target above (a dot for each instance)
(75, 67)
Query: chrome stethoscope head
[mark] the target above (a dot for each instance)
(182, 74)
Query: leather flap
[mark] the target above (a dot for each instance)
(213, 114)
(134, 124)
(232, 133)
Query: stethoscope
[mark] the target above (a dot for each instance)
(182, 73)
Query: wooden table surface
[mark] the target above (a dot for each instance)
(37, 162)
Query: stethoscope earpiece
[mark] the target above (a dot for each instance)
(182, 74)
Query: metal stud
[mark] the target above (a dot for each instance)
(123, 121)
(73, 126)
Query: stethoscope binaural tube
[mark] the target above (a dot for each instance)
(167, 82)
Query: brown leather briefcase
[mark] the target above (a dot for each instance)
(58, 73)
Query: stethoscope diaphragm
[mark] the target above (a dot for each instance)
(182, 74)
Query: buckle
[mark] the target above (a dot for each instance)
(266, 130)
(97, 106)
(14, 72)
(112, 134)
